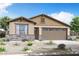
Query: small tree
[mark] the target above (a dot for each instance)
(4, 22)
(75, 24)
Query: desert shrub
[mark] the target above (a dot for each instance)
(3, 39)
(25, 49)
(29, 43)
(61, 46)
(2, 49)
(2, 43)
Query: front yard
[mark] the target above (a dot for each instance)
(37, 47)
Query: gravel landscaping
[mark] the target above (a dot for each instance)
(39, 47)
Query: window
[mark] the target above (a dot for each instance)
(53, 29)
(21, 29)
(45, 29)
(42, 20)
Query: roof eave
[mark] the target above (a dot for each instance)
(24, 18)
(51, 18)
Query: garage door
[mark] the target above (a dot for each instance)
(54, 33)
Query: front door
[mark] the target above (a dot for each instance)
(36, 32)
(21, 29)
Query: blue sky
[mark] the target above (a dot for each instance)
(28, 10)
(61, 11)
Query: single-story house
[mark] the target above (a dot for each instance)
(39, 27)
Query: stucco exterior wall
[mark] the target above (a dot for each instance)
(49, 23)
(12, 28)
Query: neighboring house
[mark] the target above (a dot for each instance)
(39, 27)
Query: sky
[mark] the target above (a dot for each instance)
(62, 11)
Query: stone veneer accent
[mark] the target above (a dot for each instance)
(14, 37)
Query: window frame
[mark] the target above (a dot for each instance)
(26, 32)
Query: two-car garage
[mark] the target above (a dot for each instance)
(47, 28)
(54, 33)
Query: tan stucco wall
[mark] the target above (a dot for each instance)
(12, 27)
(49, 23)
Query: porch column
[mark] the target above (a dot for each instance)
(40, 33)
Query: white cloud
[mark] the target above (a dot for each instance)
(3, 7)
(65, 17)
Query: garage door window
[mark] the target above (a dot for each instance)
(46, 29)
(53, 29)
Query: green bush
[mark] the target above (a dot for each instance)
(2, 49)
(1, 43)
(25, 49)
(2, 39)
(29, 43)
